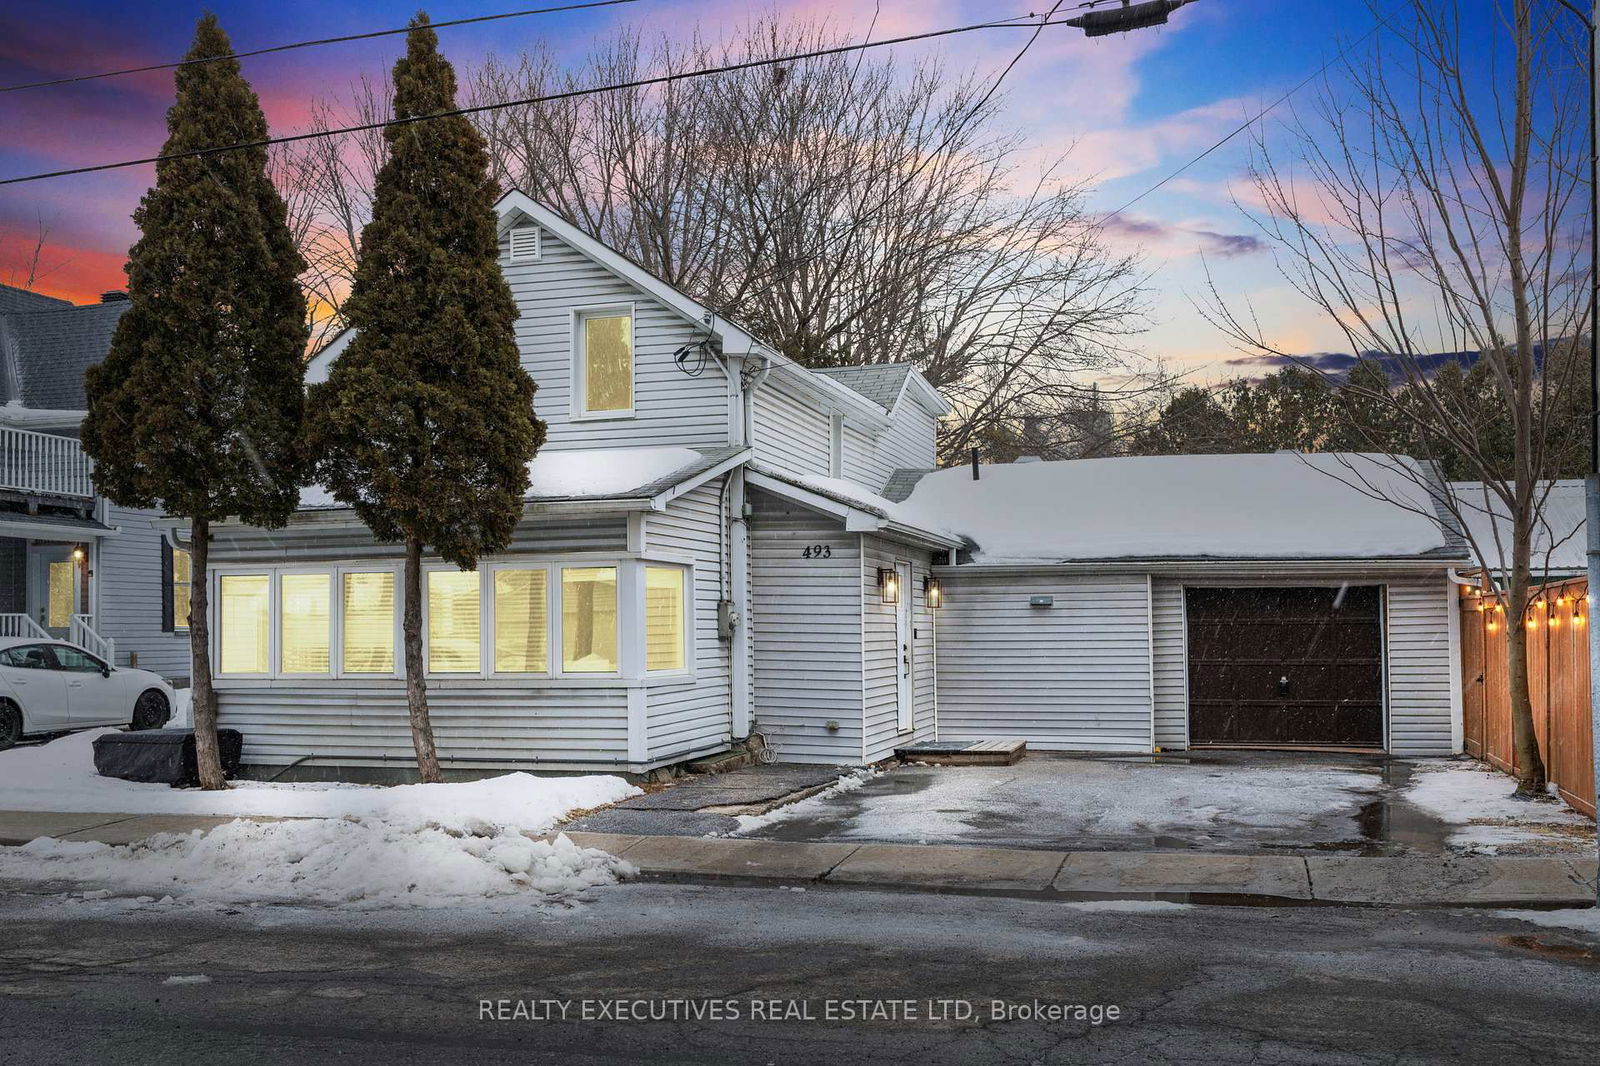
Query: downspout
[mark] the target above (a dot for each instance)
(741, 392)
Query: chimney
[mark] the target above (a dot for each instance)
(115, 296)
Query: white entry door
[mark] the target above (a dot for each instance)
(53, 587)
(903, 634)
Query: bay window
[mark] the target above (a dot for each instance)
(664, 621)
(521, 635)
(454, 622)
(305, 619)
(367, 607)
(244, 622)
(589, 620)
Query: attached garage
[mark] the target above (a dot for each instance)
(1286, 667)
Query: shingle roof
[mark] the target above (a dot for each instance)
(903, 482)
(879, 382)
(45, 348)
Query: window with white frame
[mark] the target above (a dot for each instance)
(589, 620)
(556, 618)
(367, 610)
(521, 620)
(603, 374)
(244, 623)
(665, 618)
(305, 623)
(454, 619)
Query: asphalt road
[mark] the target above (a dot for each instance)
(91, 982)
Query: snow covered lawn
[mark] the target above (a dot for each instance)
(414, 845)
(1477, 799)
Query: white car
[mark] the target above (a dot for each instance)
(50, 686)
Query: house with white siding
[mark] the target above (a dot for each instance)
(718, 542)
(74, 565)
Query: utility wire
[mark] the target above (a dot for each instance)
(1251, 121)
(635, 83)
(308, 44)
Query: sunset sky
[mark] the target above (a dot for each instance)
(1131, 108)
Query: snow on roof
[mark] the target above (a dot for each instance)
(1559, 541)
(595, 473)
(1283, 505)
(860, 498)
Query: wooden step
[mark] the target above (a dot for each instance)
(964, 753)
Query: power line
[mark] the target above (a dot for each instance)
(307, 44)
(635, 83)
(1251, 121)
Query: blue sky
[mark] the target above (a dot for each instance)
(1131, 108)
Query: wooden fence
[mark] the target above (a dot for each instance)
(1558, 675)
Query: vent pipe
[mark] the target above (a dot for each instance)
(974, 464)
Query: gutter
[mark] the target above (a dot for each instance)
(1331, 567)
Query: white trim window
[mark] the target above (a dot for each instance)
(454, 613)
(590, 633)
(521, 610)
(603, 363)
(666, 619)
(368, 615)
(244, 624)
(305, 623)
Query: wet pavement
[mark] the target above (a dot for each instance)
(1238, 802)
(708, 805)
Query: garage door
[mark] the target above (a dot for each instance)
(1285, 667)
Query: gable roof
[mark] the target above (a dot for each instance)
(46, 345)
(1281, 506)
(881, 383)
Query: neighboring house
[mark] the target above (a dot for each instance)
(718, 540)
(1560, 545)
(72, 564)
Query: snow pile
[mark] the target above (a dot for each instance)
(60, 776)
(327, 861)
(569, 473)
(1284, 505)
(1478, 799)
(1584, 919)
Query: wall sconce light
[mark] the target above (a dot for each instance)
(933, 592)
(889, 584)
(77, 553)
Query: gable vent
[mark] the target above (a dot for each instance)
(525, 242)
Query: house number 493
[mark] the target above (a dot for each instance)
(817, 551)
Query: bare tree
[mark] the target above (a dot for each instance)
(29, 269)
(1435, 202)
(849, 211)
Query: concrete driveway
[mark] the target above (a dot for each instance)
(1240, 802)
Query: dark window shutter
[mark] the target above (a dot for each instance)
(166, 587)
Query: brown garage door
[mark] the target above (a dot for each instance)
(1285, 667)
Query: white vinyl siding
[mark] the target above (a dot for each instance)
(881, 654)
(669, 406)
(691, 714)
(791, 433)
(128, 595)
(1171, 664)
(1074, 676)
(807, 629)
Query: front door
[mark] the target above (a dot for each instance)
(53, 589)
(1286, 667)
(903, 633)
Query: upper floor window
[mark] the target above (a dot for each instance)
(603, 376)
(523, 243)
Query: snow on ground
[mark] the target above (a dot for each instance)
(1584, 919)
(1477, 799)
(406, 845)
(326, 861)
(60, 776)
(1054, 800)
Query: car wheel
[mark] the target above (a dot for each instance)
(151, 711)
(10, 725)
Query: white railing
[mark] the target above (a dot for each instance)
(22, 625)
(82, 633)
(44, 463)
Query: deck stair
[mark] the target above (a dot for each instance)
(964, 753)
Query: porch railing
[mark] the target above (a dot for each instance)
(43, 463)
(82, 633)
(21, 625)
